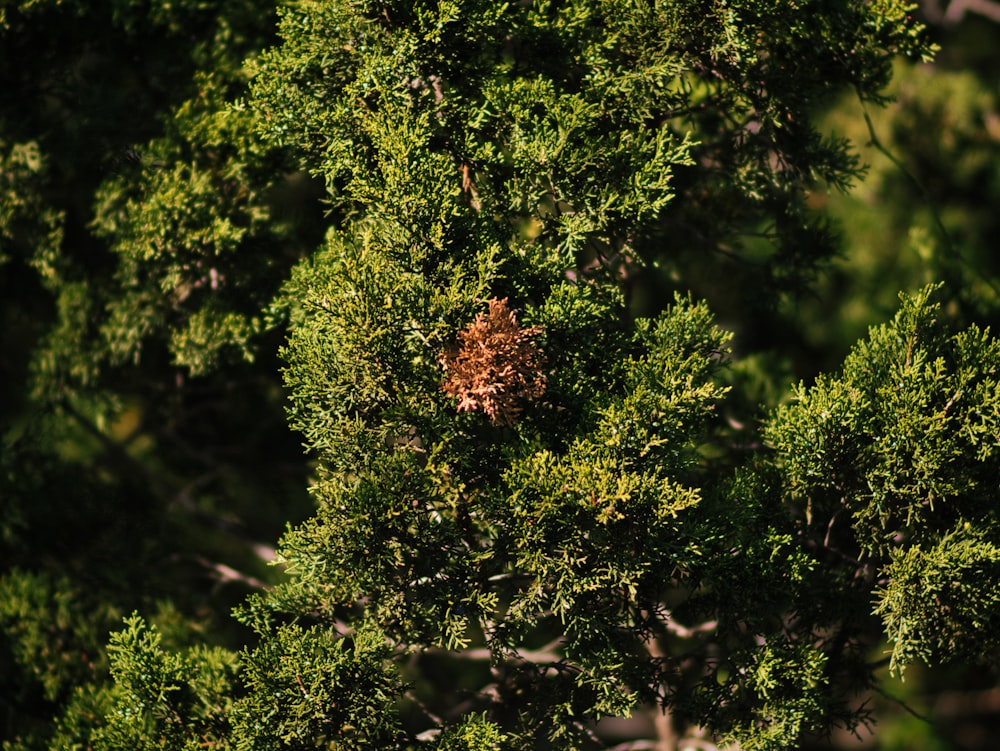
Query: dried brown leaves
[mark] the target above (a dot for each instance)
(495, 366)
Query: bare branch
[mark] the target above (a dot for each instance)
(636, 746)
(965, 703)
(686, 632)
(544, 655)
(222, 573)
(436, 719)
(958, 8)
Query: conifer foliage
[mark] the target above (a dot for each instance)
(530, 515)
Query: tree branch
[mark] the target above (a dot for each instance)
(666, 738)
(544, 655)
(965, 703)
(957, 9)
(222, 573)
(636, 746)
(896, 700)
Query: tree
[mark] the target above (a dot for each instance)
(127, 479)
(538, 503)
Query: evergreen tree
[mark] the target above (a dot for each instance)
(532, 514)
(127, 479)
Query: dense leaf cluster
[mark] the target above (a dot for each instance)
(607, 549)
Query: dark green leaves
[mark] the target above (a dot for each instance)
(310, 688)
(904, 445)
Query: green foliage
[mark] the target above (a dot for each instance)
(24, 216)
(310, 688)
(904, 445)
(783, 682)
(165, 700)
(51, 639)
(904, 440)
(929, 215)
(122, 483)
(537, 153)
(940, 603)
(574, 123)
(620, 543)
(473, 734)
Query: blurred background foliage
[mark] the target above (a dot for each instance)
(145, 460)
(926, 210)
(927, 207)
(145, 463)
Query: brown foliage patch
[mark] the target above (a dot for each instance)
(496, 365)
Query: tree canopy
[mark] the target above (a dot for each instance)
(531, 283)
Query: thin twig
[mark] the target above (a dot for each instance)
(436, 719)
(896, 700)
